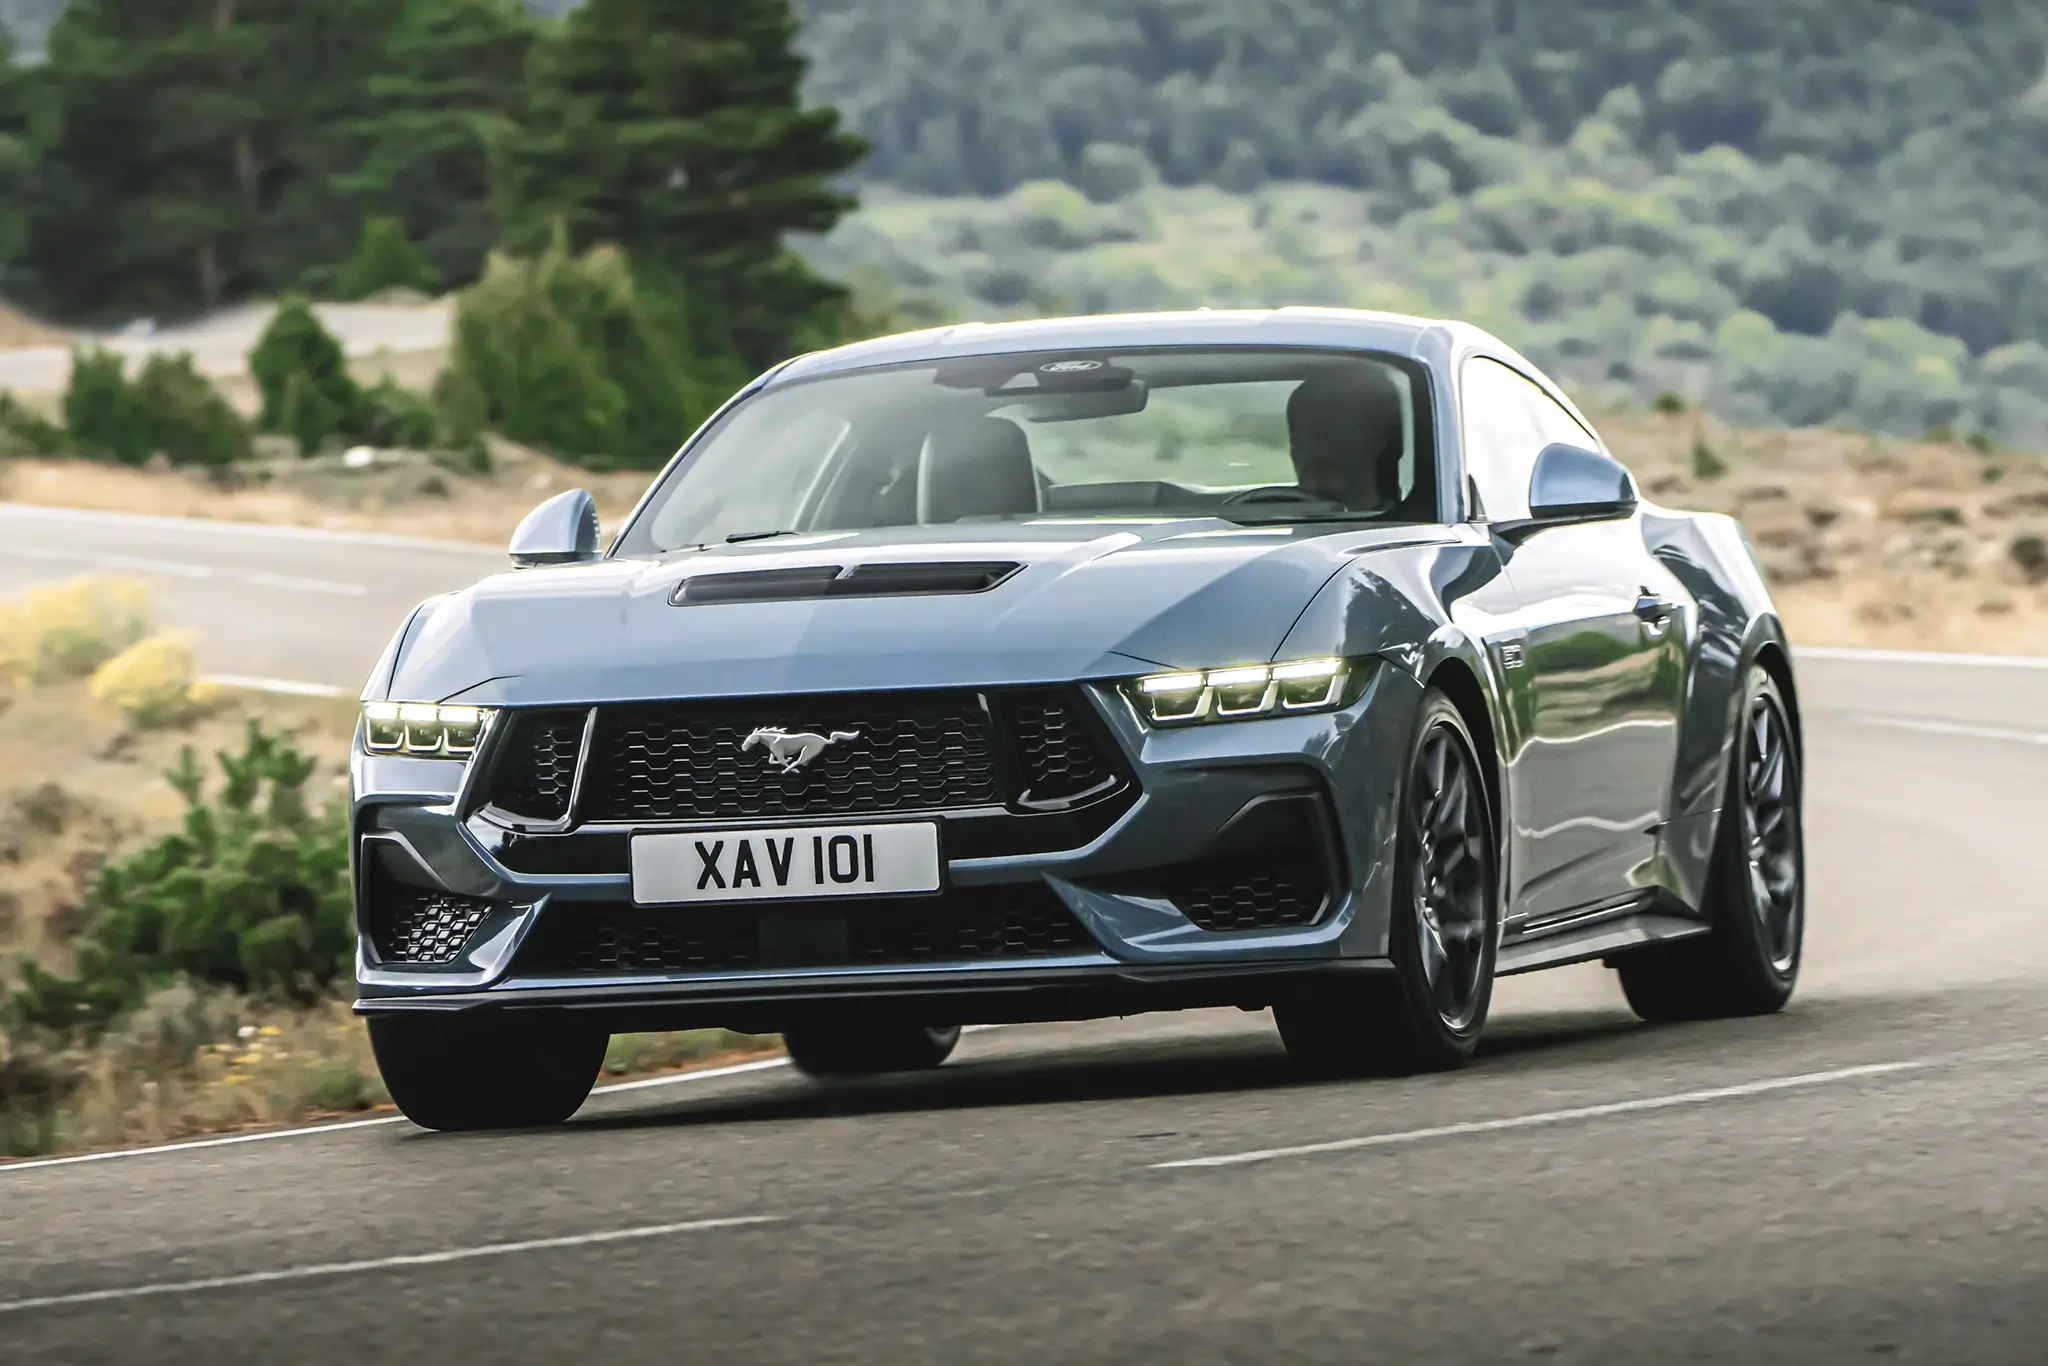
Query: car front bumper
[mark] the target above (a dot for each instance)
(1121, 920)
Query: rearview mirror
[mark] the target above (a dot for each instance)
(1574, 484)
(562, 530)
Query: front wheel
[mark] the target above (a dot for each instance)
(861, 1049)
(1426, 1015)
(1748, 963)
(509, 1072)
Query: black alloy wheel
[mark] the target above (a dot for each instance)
(1748, 961)
(1452, 879)
(1427, 1013)
(1770, 828)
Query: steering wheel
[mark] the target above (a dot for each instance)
(1274, 493)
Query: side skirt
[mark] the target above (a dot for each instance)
(1604, 937)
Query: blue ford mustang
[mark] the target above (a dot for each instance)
(1313, 660)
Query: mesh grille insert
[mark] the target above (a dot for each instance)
(882, 752)
(536, 765)
(415, 925)
(1022, 921)
(1060, 755)
(1260, 892)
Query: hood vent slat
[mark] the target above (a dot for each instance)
(877, 580)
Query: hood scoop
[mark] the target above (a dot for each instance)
(881, 580)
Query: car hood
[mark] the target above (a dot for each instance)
(1091, 599)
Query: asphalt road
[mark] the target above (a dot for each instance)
(1858, 1178)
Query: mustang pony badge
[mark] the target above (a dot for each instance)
(789, 751)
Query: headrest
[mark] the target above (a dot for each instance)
(976, 467)
(1345, 433)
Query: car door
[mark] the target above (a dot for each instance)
(1593, 662)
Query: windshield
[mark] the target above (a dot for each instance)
(1252, 435)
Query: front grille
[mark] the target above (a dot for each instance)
(1021, 921)
(693, 761)
(536, 766)
(416, 925)
(1258, 892)
(1061, 756)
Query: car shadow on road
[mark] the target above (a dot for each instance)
(1066, 1072)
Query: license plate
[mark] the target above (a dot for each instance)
(786, 864)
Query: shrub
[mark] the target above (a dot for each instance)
(169, 409)
(184, 417)
(1667, 402)
(391, 416)
(23, 432)
(252, 893)
(100, 408)
(384, 259)
(67, 630)
(1705, 463)
(153, 681)
(571, 354)
(303, 375)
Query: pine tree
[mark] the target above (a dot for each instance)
(17, 160)
(190, 149)
(675, 130)
(450, 88)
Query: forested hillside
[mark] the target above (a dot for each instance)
(1805, 211)
(1630, 188)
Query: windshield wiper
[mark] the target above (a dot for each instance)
(739, 536)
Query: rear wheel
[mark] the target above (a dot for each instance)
(1426, 1015)
(1756, 891)
(509, 1072)
(864, 1048)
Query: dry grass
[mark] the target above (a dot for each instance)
(408, 496)
(18, 329)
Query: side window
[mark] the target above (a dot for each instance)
(1501, 436)
(1556, 424)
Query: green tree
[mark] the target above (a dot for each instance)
(384, 259)
(302, 373)
(191, 150)
(450, 89)
(676, 130)
(18, 159)
(571, 355)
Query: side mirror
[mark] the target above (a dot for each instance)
(562, 530)
(1574, 484)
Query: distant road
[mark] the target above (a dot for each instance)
(268, 602)
(220, 345)
(1858, 1179)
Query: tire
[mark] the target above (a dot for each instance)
(510, 1072)
(1426, 1015)
(1748, 963)
(869, 1047)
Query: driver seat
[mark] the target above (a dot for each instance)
(975, 467)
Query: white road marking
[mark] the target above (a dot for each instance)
(332, 586)
(327, 1269)
(177, 526)
(1548, 1117)
(2011, 737)
(315, 1130)
(289, 687)
(137, 564)
(1966, 661)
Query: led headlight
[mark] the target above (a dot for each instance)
(423, 729)
(1252, 690)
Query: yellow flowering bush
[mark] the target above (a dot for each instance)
(66, 630)
(153, 681)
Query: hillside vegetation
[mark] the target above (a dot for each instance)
(1818, 211)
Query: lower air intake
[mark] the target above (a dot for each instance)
(415, 925)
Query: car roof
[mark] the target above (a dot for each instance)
(1394, 333)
